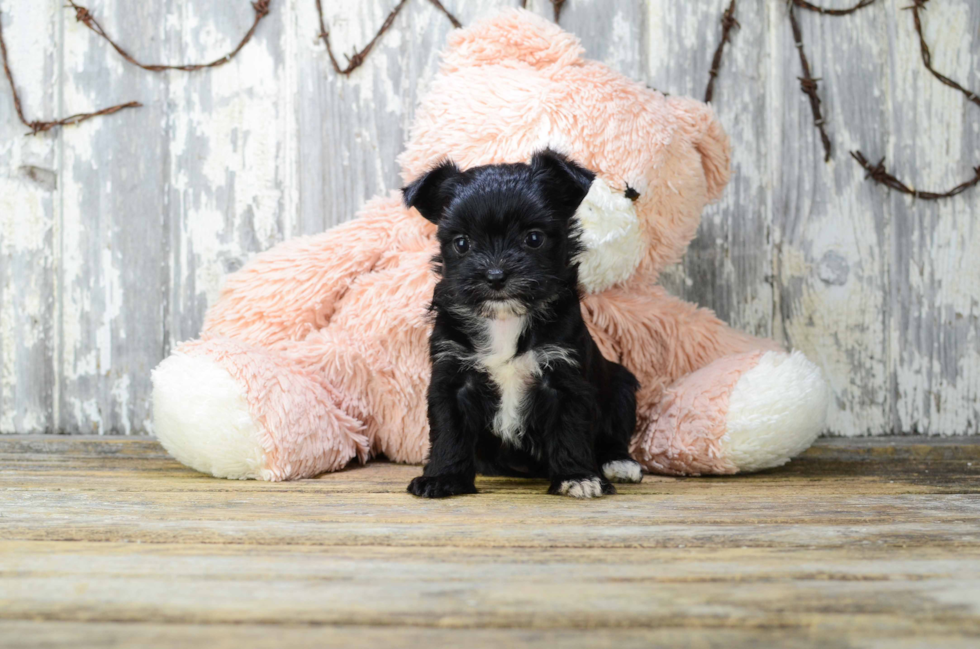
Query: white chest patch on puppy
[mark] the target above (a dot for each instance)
(495, 335)
(513, 374)
(611, 237)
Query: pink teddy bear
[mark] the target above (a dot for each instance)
(316, 352)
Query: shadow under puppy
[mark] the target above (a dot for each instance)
(518, 385)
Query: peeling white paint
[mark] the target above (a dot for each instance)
(120, 397)
(225, 158)
(275, 145)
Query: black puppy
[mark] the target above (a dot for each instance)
(518, 385)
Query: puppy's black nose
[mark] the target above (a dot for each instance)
(496, 278)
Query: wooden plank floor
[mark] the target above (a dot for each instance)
(108, 542)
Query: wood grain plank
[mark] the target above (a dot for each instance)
(875, 467)
(463, 588)
(116, 234)
(515, 516)
(885, 450)
(352, 128)
(33, 635)
(125, 552)
(832, 231)
(29, 204)
(728, 266)
(227, 138)
(925, 476)
(614, 33)
(111, 260)
(933, 140)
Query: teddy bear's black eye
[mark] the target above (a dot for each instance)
(461, 244)
(534, 239)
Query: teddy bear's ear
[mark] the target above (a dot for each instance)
(710, 141)
(715, 150)
(564, 183)
(431, 193)
(512, 35)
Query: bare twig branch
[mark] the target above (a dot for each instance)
(727, 23)
(84, 16)
(38, 126)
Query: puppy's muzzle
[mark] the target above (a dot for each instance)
(496, 278)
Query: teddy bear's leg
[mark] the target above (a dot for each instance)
(743, 412)
(711, 399)
(235, 411)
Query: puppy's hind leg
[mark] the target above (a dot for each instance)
(619, 423)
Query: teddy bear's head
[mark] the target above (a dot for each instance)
(516, 83)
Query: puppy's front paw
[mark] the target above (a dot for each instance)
(622, 471)
(440, 486)
(588, 487)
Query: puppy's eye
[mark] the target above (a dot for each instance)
(461, 244)
(534, 239)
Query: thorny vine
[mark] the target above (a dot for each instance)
(727, 23)
(920, 5)
(803, 4)
(555, 4)
(356, 59)
(877, 172)
(39, 126)
(808, 84)
(880, 175)
(84, 16)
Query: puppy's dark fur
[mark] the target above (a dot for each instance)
(518, 385)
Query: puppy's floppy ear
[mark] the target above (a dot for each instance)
(564, 182)
(430, 194)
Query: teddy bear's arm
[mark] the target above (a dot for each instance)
(659, 337)
(295, 287)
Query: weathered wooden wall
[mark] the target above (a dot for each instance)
(114, 235)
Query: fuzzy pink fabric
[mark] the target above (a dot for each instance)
(328, 334)
(683, 434)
